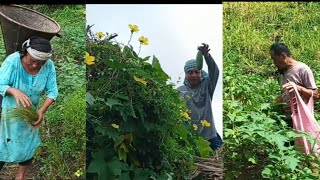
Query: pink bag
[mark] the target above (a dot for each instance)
(304, 120)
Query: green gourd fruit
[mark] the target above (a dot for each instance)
(199, 60)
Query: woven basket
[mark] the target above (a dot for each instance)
(209, 168)
(19, 23)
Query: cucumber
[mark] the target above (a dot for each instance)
(199, 60)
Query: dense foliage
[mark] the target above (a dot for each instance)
(253, 127)
(134, 118)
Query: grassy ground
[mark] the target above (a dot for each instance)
(253, 129)
(62, 152)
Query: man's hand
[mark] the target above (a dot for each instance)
(307, 93)
(287, 86)
(204, 49)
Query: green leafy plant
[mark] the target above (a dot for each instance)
(137, 125)
(254, 130)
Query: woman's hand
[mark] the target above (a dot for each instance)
(40, 119)
(21, 97)
(42, 110)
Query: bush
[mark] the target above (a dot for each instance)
(253, 127)
(134, 118)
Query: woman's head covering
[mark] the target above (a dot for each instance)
(39, 48)
(191, 65)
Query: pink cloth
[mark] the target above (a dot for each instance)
(304, 120)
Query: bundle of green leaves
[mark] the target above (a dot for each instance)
(28, 114)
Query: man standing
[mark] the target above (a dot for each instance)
(292, 71)
(198, 91)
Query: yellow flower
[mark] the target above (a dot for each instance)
(195, 127)
(78, 173)
(140, 80)
(89, 59)
(116, 126)
(133, 28)
(205, 123)
(143, 40)
(100, 34)
(186, 115)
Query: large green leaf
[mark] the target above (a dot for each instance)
(111, 102)
(204, 147)
(266, 172)
(251, 157)
(291, 162)
(121, 96)
(278, 139)
(89, 98)
(141, 174)
(100, 167)
(122, 145)
(115, 64)
(130, 52)
(122, 152)
(265, 106)
(125, 176)
(128, 110)
(157, 66)
(104, 169)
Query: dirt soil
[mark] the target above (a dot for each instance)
(9, 171)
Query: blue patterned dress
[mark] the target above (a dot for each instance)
(19, 139)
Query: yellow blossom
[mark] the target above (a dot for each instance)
(100, 34)
(89, 59)
(143, 40)
(140, 80)
(205, 123)
(133, 28)
(195, 127)
(186, 115)
(116, 126)
(78, 173)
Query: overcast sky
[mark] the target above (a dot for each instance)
(174, 33)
